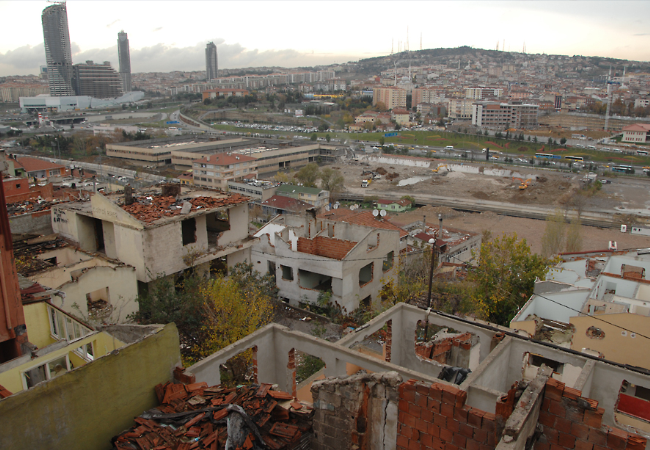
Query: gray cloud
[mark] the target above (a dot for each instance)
(25, 58)
(165, 58)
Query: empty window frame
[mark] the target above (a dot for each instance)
(188, 229)
(388, 261)
(365, 274)
(46, 371)
(287, 273)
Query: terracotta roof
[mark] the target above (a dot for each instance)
(637, 127)
(402, 202)
(149, 209)
(225, 159)
(286, 203)
(34, 164)
(364, 218)
(400, 111)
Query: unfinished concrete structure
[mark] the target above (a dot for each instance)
(160, 233)
(313, 256)
(594, 302)
(92, 286)
(519, 394)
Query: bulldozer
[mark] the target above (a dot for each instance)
(524, 184)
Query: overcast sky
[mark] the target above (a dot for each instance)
(166, 36)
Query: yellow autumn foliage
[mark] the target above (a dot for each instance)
(231, 313)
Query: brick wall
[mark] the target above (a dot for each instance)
(46, 192)
(357, 413)
(325, 246)
(570, 421)
(436, 417)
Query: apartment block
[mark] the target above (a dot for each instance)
(504, 115)
(96, 80)
(216, 171)
(460, 108)
(482, 93)
(390, 96)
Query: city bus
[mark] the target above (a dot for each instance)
(623, 169)
(574, 158)
(546, 156)
(642, 152)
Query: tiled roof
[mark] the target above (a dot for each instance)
(364, 218)
(149, 209)
(34, 164)
(637, 127)
(286, 203)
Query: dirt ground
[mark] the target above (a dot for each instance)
(552, 188)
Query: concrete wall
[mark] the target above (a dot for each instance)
(39, 222)
(618, 345)
(345, 273)
(84, 408)
(122, 285)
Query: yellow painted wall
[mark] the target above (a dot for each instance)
(526, 325)
(38, 325)
(103, 343)
(614, 346)
(84, 408)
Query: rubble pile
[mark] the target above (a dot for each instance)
(196, 416)
(16, 209)
(150, 208)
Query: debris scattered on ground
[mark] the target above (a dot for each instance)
(196, 416)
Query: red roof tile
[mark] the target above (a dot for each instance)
(34, 164)
(364, 218)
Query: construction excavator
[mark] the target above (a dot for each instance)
(524, 184)
(437, 169)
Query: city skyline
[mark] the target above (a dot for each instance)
(279, 34)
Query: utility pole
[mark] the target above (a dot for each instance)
(432, 241)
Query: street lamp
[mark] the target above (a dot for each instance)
(432, 241)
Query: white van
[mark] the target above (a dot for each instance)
(449, 147)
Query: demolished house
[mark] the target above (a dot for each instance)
(160, 232)
(597, 302)
(311, 257)
(88, 285)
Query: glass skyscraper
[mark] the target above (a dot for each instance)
(57, 49)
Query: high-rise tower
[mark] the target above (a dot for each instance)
(57, 49)
(125, 60)
(211, 66)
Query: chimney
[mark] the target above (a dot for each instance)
(128, 195)
(171, 190)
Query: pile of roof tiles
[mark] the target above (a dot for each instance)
(196, 416)
(148, 209)
(16, 209)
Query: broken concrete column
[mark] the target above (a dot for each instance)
(356, 412)
(128, 195)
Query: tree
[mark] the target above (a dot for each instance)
(554, 234)
(380, 106)
(282, 177)
(231, 313)
(410, 199)
(323, 127)
(535, 139)
(308, 175)
(550, 141)
(314, 137)
(562, 141)
(331, 180)
(328, 137)
(382, 141)
(504, 278)
(574, 236)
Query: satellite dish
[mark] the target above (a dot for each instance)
(336, 206)
(375, 212)
(383, 213)
(327, 207)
